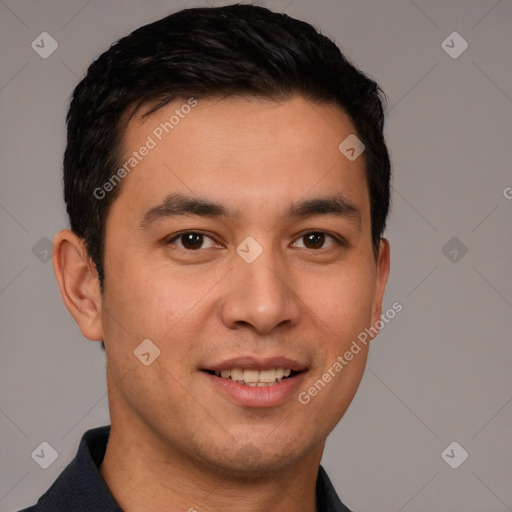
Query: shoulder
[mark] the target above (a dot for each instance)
(80, 487)
(326, 496)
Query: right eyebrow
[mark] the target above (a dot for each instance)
(175, 205)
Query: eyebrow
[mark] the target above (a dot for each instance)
(176, 205)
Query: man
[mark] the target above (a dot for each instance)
(227, 183)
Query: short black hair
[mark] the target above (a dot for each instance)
(235, 50)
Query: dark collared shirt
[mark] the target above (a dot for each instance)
(81, 488)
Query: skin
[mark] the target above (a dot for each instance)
(177, 443)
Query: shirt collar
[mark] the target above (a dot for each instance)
(81, 488)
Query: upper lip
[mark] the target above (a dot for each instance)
(257, 363)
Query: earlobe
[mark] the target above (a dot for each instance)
(383, 265)
(78, 283)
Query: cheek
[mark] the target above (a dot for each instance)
(160, 302)
(140, 295)
(344, 303)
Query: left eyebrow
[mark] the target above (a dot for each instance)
(176, 205)
(332, 205)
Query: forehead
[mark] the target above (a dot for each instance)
(253, 154)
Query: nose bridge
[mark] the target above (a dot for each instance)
(264, 282)
(259, 294)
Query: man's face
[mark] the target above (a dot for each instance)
(278, 274)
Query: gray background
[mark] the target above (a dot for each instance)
(439, 372)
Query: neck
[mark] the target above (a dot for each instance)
(143, 474)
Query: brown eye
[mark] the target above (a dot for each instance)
(191, 241)
(314, 240)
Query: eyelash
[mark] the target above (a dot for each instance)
(338, 241)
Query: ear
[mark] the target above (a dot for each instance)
(381, 279)
(78, 283)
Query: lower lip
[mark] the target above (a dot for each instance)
(254, 396)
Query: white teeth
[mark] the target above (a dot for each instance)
(267, 376)
(237, 374)
(253, 377)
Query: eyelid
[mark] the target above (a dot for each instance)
(176, 236)
(336, 238)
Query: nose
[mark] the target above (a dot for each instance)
(260, 296)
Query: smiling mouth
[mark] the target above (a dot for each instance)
(255, 378)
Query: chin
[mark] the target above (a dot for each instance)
(258, 458)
